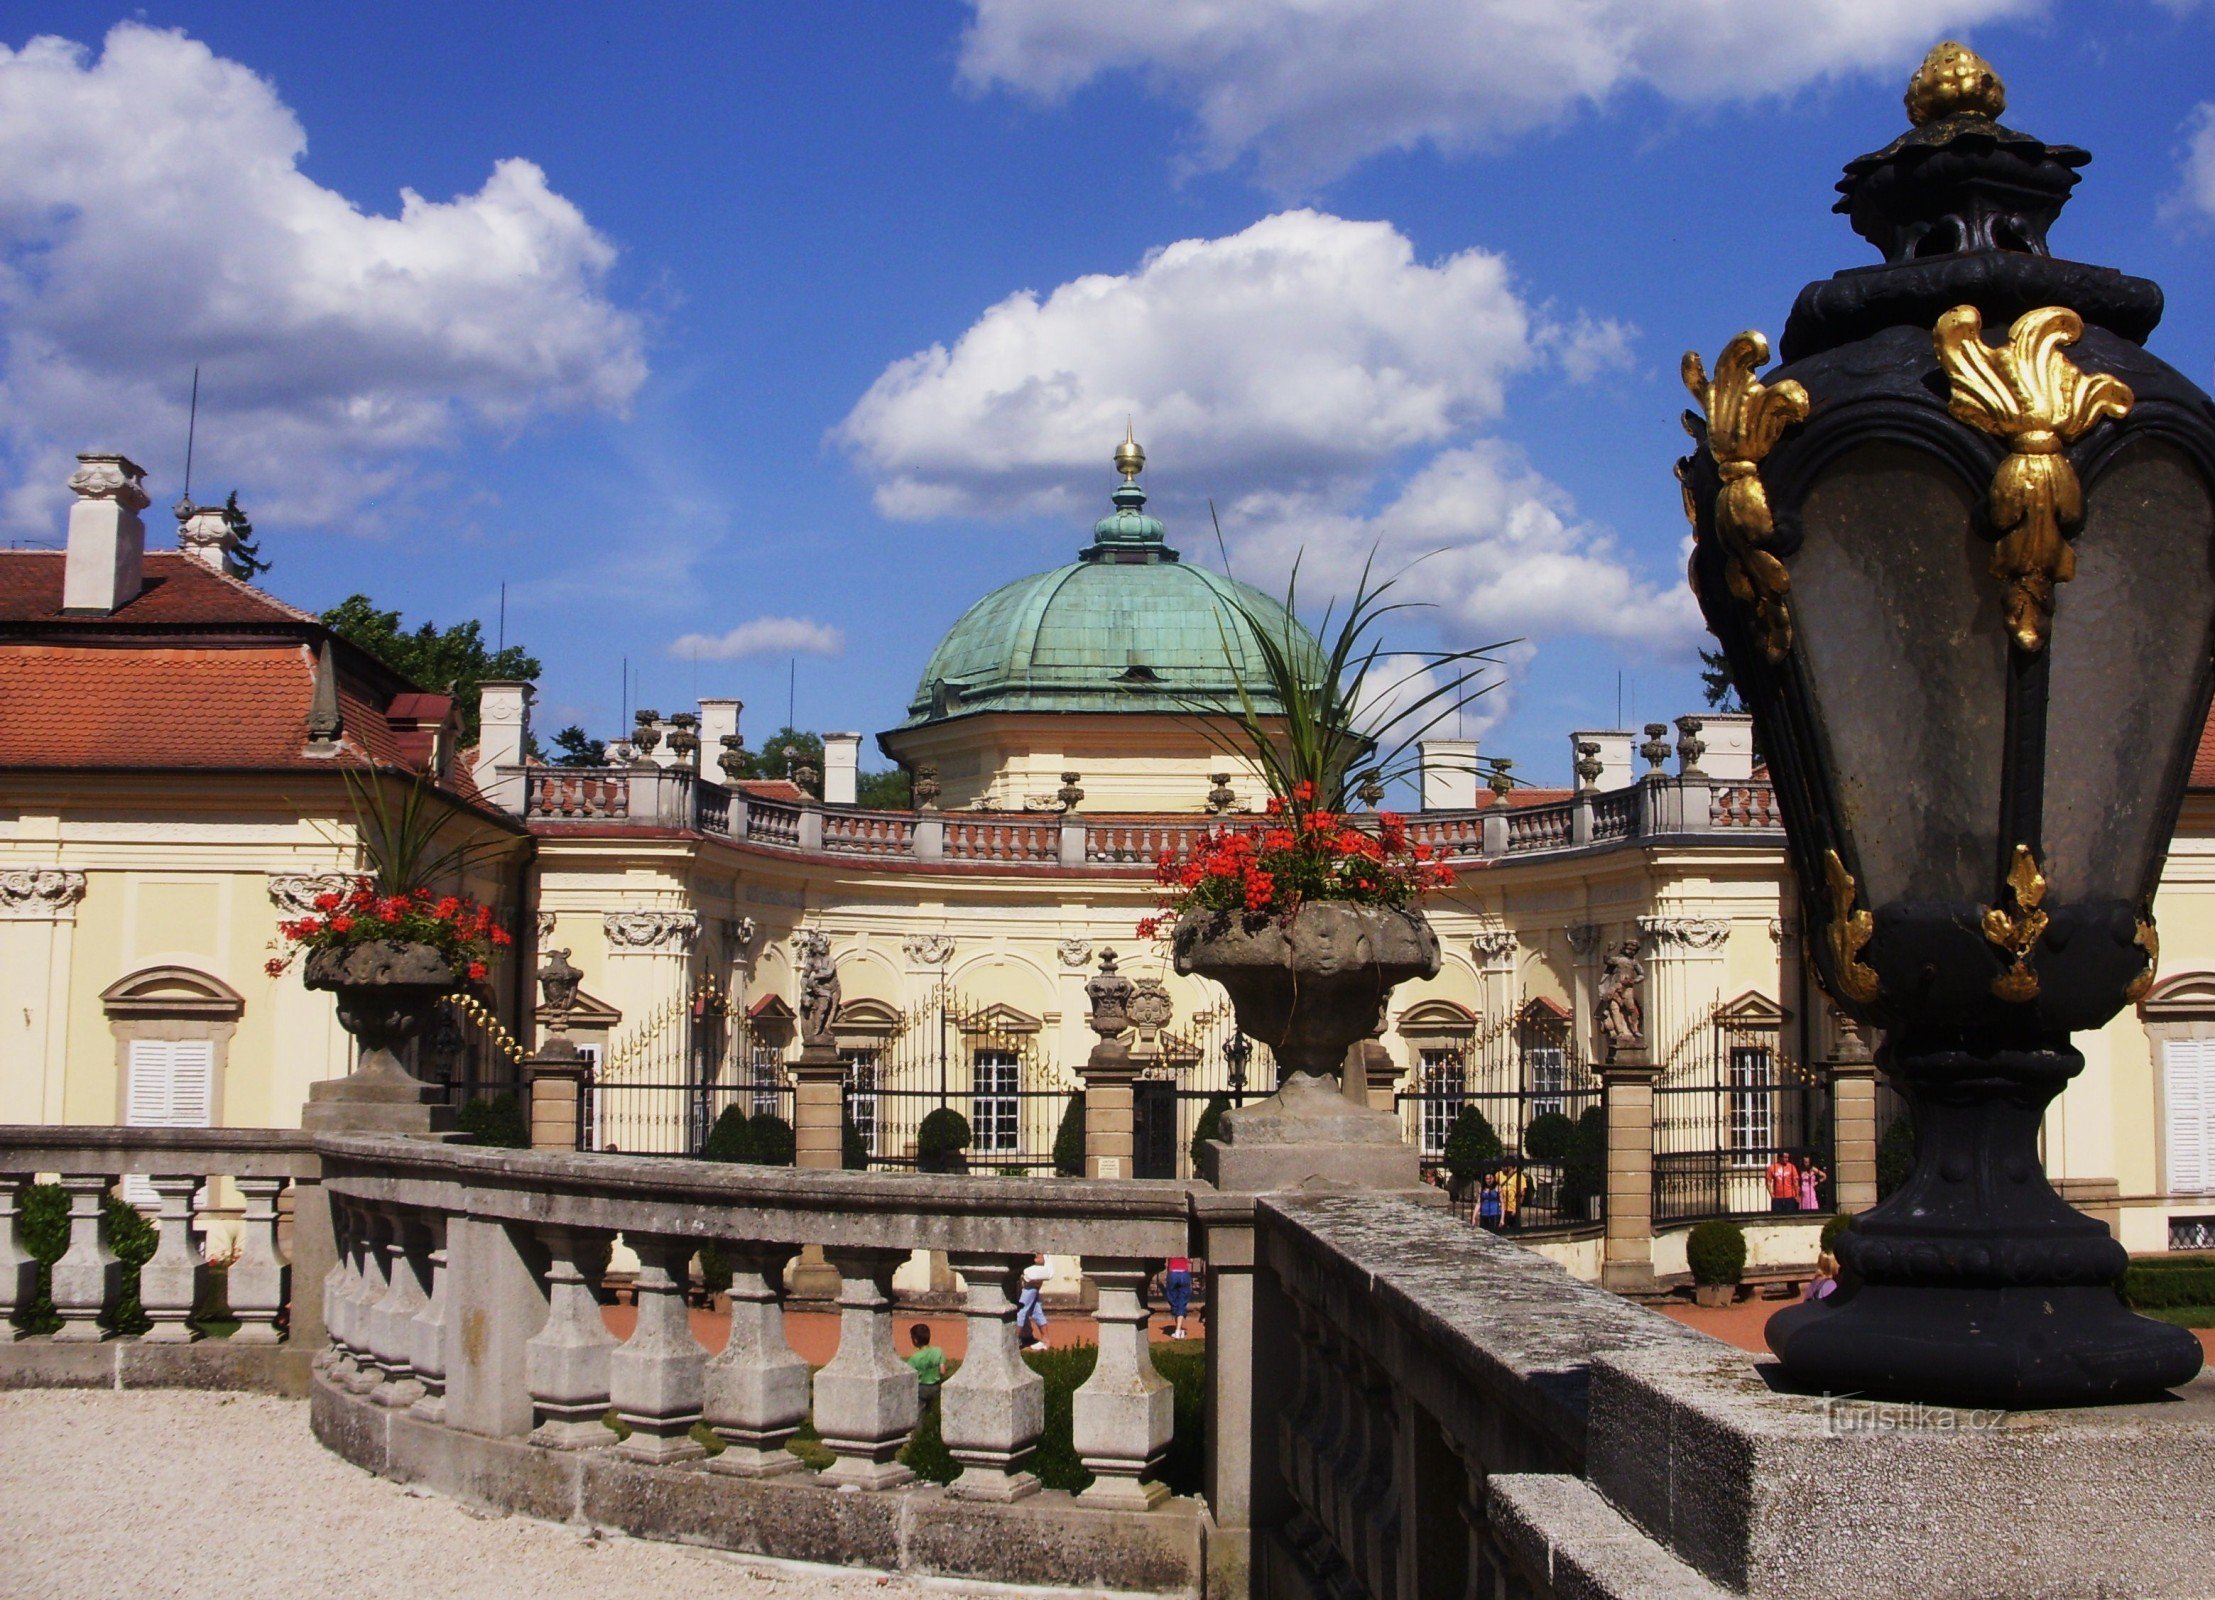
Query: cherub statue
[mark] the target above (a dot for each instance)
(818, 988)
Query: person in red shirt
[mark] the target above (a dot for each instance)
(1784, 1183)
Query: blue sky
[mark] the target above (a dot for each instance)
(727, 333)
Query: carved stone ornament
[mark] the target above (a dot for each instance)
(1149, 1007)
(668, 932)
(296, 891)
(545, 925)
(1074, 952)
(1110, 996)
(1584, 938)
(1492, 944)
(1693, 933)
(117, 478)
(739, 933)
(928, 949)
(1783, 928)
(40, 893)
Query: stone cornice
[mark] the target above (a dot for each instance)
(650, 932)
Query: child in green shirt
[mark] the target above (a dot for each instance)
(928, 1361)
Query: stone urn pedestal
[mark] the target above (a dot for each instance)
(385, 991)
(1310, 988)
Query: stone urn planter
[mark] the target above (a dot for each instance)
(386, 989)
(1715, 1296)
(1310, 988)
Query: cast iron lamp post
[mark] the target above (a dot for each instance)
(1960, 552)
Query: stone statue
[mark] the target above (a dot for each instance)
(1622, 1011)
(818, 989)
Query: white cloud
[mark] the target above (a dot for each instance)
(763, 636)
(1397, 684)
(153, 215)
(1312, 87)
(1304, 351)
(2197, 193)
(1494, 546)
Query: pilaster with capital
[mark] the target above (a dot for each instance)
(1684, 969)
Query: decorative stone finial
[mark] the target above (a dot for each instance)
(102, 476)
(1130, 460)
(1954, 81)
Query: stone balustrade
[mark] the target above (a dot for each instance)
(1655, 807)
(260, 1169)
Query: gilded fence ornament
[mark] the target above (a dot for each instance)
(1849, 932)
(2148, 940)
(1745, 418)
(2037, 401)
(1954, 81)
(2018, 931)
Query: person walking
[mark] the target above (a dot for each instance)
(1784, 1183)
(1489, 1203)
(928, 1361)
(1176, 1288)
(1030, 1307)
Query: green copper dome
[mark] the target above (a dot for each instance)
(1127, 628)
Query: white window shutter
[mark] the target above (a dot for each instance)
(146, 1101)
(169, 1083)
(2188, 1067)
(192, 1083)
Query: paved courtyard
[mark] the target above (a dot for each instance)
(166, 1495)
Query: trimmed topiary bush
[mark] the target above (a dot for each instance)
(940, 1140)
(771, 1136)
(1584, 1168)
(496, 1120)
(1471, 1145)
(1210, 1125)
(1716, 1253)
(1548, 1136)
(854, 1149)
(1069, 1138)
(1834, 1229)
(732, 1137)
(715, 1272)
(1895, 1156)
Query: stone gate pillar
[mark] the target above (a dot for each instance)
(1627, 1245)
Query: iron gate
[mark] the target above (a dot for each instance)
(1725, 1110)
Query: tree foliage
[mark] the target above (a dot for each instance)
(886, 791)
(437, 660)
(784, 751)
(1069, 1138)
(574, 749)
(1716, 683)
(1471, 1146)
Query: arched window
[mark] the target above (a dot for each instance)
(1440, 1034)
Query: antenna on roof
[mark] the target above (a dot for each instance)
(192, 426)
(503, 644)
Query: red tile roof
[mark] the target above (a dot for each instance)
(2203, 759)
(179, 592)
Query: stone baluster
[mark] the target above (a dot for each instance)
(254, 1284)
(866, 1401)
(756, 1392)
(566, 1363)
(407, 1291)
(88, 1276)
(993, 1410)
(18, 1267)
(1124, 1411)
(657, 1378)
(169, 1283)
(427, 1333)
(1376, 1495)
(372, 1228)
(336, 1362)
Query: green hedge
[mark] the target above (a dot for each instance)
(1716, 1252)
(1210, 1125)
(42, 1226)
(940, 1140)
(1584, 1170)
(2160, 1285)
(495, 1119)
(764, 1140)
(1833, 1230)
(1069, 1138)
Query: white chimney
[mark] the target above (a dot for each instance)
(106, 565)
(1613, 756)
(1730, 746)
(717, 718)
(1449, 774)
(503, 730)
(841, 768)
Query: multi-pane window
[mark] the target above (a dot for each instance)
(994, 1126)
(169, 1083)
(768, 1078)
(1445, 1083)
(861, 1095)
(2188, 1110)
(1548, 1066)
(1751, 1104)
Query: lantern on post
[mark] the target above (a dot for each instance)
(1960, 553)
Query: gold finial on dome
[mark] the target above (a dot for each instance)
(1129, 459)
(1954, 81)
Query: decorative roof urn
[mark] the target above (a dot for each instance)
(1956, 551)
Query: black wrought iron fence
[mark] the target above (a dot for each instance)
(1549, 1147)
(662, 1087)
(990, 1066)
(1729, 1113)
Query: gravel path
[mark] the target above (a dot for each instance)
(157, 1494)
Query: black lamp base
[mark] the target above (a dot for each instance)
(2016, 1349)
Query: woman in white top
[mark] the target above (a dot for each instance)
(1030, 1309)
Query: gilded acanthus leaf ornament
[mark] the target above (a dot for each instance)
(1848, 933)
(2018, 931)
(2149, 941)
(2038, 402)
(1745, 418)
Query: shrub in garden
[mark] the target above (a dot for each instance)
(1834, 1229)
(497, 1120)
(1471, 1145)
(1584, 1168)
(1069, 1139)
(1548, 1136)
(854, 1149)
(940, 1141)
(772, 1139)
(1210, 1125)
(1716, 1252)
(732, 1137)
